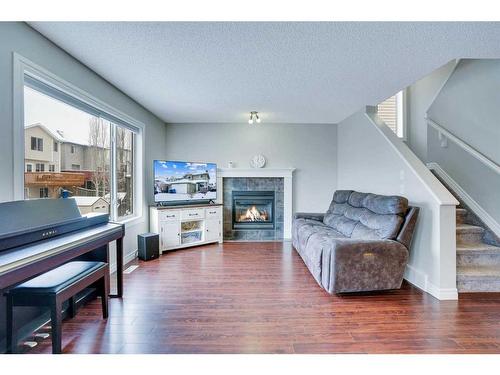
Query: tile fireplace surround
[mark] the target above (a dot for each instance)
(264, 179)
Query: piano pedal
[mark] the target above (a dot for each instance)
(30, 344)
(42, 336)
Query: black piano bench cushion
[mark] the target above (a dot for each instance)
(58, 279)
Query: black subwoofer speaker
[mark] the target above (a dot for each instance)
(148, 245)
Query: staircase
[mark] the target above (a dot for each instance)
(478, 263)
(478, 251)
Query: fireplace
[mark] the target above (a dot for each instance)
(253, 209)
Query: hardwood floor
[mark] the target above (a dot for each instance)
(260, 298)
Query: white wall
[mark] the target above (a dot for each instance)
(372, 159)
(420, 96)
(311, 148)
(19, 37)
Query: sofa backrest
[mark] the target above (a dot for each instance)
(365, 215)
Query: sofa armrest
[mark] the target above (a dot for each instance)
(308, 215)
(360, 265)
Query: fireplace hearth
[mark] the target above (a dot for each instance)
(253, 210)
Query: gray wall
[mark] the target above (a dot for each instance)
(468, 107)
(310, 148)
(19, 37)
(419, 98)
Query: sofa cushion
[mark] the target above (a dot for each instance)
(312, 241)
(385, 204)
(365, 215)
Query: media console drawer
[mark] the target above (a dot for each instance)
(213, 213)
(169, 215)
(197, 213)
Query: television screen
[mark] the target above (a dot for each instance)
(179, 181)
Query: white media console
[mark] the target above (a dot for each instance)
(185, 226)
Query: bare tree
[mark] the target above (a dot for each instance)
(124, 140)
(99, 155)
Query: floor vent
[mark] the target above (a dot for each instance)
(131, 269)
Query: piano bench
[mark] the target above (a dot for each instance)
(51, 289)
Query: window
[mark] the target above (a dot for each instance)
(39, 167)
(29, 167)
(36, 144)
(124, 175)
(100, 158)
(392, 112)
(44, 192)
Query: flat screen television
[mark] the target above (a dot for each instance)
(181, 182)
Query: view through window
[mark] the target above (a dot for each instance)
(68, 149)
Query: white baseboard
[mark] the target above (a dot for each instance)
(489, 221)
(421, 281)
(127, 258)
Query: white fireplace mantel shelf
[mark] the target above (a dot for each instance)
(285, 173)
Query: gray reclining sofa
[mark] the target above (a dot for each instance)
(360, 244)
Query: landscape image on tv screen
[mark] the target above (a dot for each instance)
(184, 181)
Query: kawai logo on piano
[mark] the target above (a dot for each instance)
(49, 233)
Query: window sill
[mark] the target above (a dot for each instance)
(131, 221)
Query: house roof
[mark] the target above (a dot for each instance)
(88, 201)
(53, 134)
(58, 137)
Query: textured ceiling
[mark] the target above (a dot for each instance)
(289, 72)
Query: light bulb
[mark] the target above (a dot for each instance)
(258, 120)
(250, 121)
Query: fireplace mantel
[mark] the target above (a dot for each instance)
(285, 173)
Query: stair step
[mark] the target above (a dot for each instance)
(467, 233)
(477, 254)
(461, 215)
(478, 279)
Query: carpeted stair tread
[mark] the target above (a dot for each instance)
(478, 272)
(468, 228)
(480, 248)
(461, 215)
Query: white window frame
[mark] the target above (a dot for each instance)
(23, 66)
(402, 118)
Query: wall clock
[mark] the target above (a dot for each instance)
(258, 161)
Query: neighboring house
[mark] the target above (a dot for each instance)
(42, 149)
(91, 204)
(51, 159)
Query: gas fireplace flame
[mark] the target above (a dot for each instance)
(253, 214)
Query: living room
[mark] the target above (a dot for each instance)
(248, 187)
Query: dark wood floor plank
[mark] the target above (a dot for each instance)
(260, 298)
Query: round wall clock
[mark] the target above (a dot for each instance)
(258, 161)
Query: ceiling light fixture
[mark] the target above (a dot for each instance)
(254, 115)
